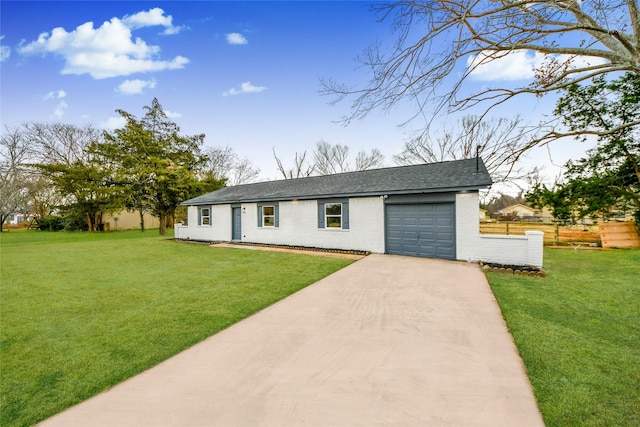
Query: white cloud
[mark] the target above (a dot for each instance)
(244, 88)
(57, 94)
(152, 18)
(236, 38)
(133, 87)
(519, 65)
(60, 109)
(172, 114)
(110, 50)
(114, 123)
(5, 51)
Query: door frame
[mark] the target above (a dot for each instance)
(236, 209)
(421, 199)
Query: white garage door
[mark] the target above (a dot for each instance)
(425, 230)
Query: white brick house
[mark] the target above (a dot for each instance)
(428, 210)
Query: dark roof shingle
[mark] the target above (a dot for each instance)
(425, 178)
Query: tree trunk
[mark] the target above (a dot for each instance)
(141, 220)
(89, 222)
(162, 217)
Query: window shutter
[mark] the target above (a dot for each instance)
(320, 214)
(345, 215)
(277, 214)
(259, 215)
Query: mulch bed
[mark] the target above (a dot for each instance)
(265, 245)
(304, 248)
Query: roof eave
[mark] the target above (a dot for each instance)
(339, 195)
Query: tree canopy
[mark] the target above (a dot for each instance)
(155, 165)
(607, 179)
(81, 173)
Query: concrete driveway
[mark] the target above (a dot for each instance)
(389, 340)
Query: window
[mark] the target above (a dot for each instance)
(333, 215)
(204, 216)
(268, 216)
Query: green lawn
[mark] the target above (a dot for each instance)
(578, 332)
(80, 312)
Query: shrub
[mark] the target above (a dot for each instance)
(75, 222)
(51, 223)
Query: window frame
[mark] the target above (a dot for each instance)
(344, 213)
(327, 216)
(276, 215)
(201, 217)
(265, 216)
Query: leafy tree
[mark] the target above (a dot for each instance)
(441, 44)
(88, 187)
(154, 164)
(608, 178)
(559, 200)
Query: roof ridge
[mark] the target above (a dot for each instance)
(451, 175)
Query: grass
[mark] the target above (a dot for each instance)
(80, 312)
(578, 332)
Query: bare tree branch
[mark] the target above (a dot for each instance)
(14, 153)
(578, 40)
(498, 141)
(299, 169)
(223, 162)
(330, 159)
(372, 160)
(59, 142)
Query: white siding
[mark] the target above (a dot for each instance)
(298, 226)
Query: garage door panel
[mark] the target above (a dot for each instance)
(427, 250)
(426, 230)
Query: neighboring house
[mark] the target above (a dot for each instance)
(482, 214)
(17, 218)
(427, 210)
(515, 211)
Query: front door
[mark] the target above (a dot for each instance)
(236, 224)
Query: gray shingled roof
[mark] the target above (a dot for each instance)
(455, 175)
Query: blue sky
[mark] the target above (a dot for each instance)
(246, 74)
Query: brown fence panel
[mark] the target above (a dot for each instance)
(554, 234)
(619, 235)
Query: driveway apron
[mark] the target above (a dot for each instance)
(388, 340)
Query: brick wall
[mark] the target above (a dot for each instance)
(298, 226)
(472, 246)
